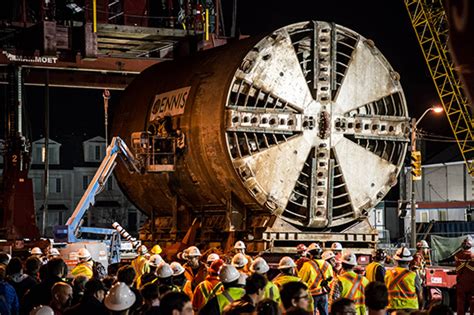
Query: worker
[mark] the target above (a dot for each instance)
(350, 285)
(207, 289)
(420, 259)
(261, 267)
(229, 276)
(254, 294)
(288, 273)
(156, 250)
(195, 270)
(336, 248)
(465, 277)
(211, 258)
(301, 256)
(179, 279)
(375, 271)
(239, 247)
(404, 285)
(165, 279)
(85, 265)
(140, 263)
(150, 277)
(317, 273)
(330, 258)
(240, 261)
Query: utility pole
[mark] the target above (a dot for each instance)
(416, 171)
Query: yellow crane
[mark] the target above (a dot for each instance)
(430, 22)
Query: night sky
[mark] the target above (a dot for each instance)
(385, 22)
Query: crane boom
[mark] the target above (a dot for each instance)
(429, 20)
(73, 227)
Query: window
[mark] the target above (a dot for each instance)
(424, 216)
(443, 215)
(58, 185)
(85, 182)
(97, 152)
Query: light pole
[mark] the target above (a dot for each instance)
(414, 124)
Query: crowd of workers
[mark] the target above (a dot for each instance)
(313, 282)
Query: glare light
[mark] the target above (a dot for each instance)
(437, 109)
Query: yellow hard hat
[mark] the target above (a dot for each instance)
(156, 249)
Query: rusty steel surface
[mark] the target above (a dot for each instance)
(310, 123)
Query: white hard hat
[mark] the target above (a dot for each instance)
(177, 268)
(403, 254)
(239, 245)
(313, 246)
(422, 244)
(193, 251)
(36, 251)
(155, 260)
(259, 266)
(286, 262)
(228, 273)
(164, 271)
(328, 254)
(84, 254)
(349, 259)
(239, 260)
(212, 257)
(336, 246)
(53, 252)
(42, 310)
(119, 298)
(142, 250)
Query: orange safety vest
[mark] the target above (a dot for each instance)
(205, 291)
(315, 287)
(401, 289)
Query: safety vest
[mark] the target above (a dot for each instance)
(271, 292)
(400, 283)
(83, 268)
(141, 266)
(353, 287)
(282, 279)
(205, 291)
(228, 296)
(370, 270)
(313, 272)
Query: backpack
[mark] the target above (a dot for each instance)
(98, 270)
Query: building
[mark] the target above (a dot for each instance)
(444, 196)
(73, 161)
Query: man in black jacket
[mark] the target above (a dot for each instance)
(40, 294)
(91, 302)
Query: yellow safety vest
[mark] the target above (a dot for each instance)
(282, 279)
(313, 272)
(141, 266)
(400, 283)
(83, 268)
(271, 292)
(353, 286)
(370, 270)
(228, 296)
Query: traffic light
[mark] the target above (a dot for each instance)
(416, 165)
